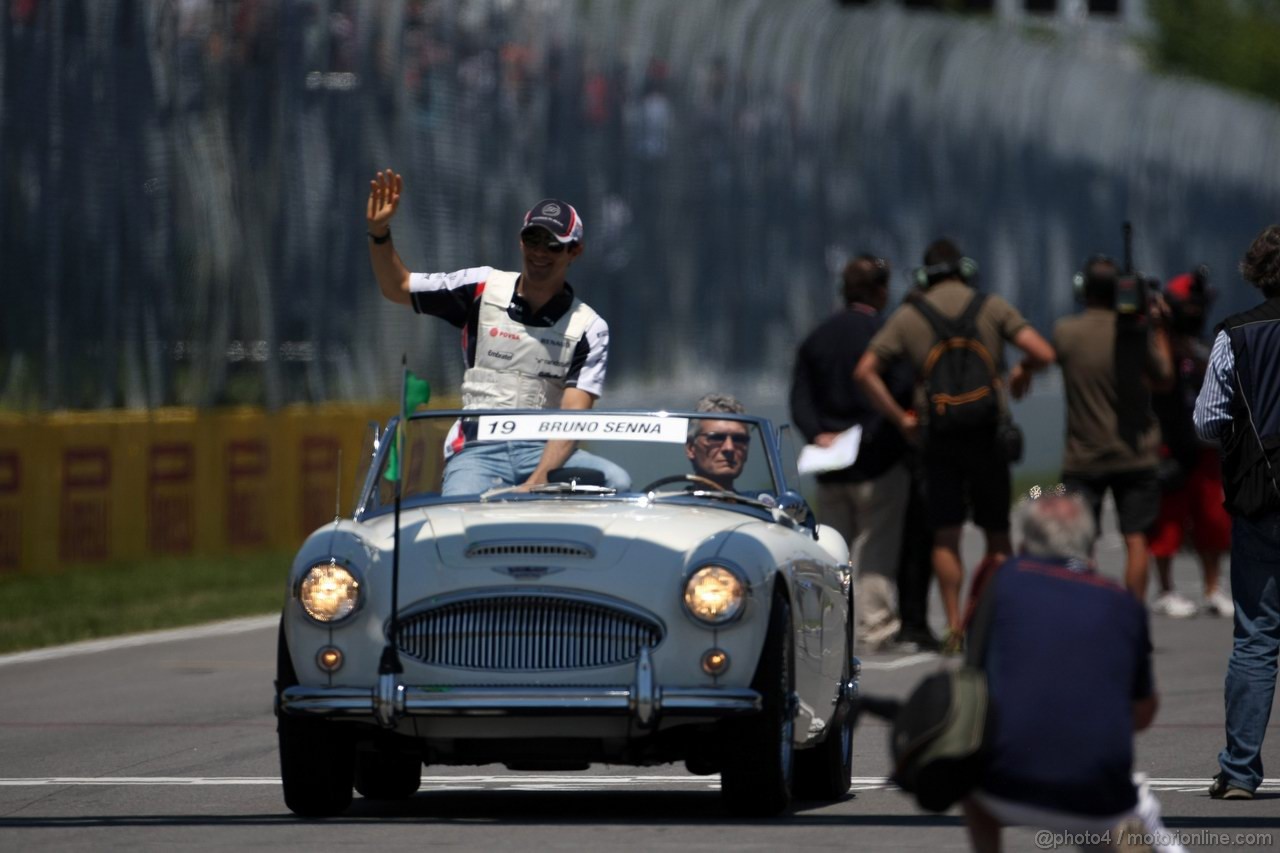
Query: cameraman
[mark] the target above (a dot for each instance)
(1110, 366)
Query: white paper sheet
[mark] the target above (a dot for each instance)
(841, 453)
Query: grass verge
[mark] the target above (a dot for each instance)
(86, 602)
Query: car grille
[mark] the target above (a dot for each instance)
(530, 549)
(527, 633)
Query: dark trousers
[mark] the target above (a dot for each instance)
(915, 563)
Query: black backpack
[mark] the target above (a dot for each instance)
(961, 379)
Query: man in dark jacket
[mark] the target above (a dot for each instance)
(1239, 407)
(867, 500)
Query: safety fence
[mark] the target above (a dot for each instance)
(94, 487)
(182, 183)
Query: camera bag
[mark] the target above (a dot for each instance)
(939, 741)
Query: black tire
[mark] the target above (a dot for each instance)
(825, 772)
(382, 775)
(758, 771)
(317, 757)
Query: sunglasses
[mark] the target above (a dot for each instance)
(739, 439)
(532, 241)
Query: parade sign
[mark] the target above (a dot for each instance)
(574, 427)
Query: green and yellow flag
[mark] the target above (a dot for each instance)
(416, 392)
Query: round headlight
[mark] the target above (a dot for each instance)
(329, 592)
(714, 594)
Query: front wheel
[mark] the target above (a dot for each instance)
(317, 766)
(757, 776)
(317, 757)
(825, 772)
(383, 775)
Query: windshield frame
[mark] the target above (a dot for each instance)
(369, 505)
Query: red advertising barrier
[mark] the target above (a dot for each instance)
(84, 519)
(248, 493)
(10, 510)
(318, 481)
(171, 501)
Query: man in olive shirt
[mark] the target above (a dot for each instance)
(1110, 365)
(967, 474)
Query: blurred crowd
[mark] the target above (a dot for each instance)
(179, 176)
(203, 184)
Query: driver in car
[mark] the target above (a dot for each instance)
(718, 449)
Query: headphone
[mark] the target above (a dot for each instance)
(965, 268)
(1081, 278)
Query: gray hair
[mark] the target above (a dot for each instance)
(1056, 524)
(714, 402)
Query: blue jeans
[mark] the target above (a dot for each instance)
(1251, 671)
(481, 466)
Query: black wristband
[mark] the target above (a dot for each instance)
(380, 240)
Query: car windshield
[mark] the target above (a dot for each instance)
(471, 455)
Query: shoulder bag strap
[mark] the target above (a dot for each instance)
(968, 321)
(976, 645)
(942, 327)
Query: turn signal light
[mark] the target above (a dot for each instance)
(329, 659)
(715, 662)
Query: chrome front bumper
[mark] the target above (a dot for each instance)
(643, 699)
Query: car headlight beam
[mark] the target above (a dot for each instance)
(714, 595)
(329, 592)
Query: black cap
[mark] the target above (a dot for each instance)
(557, 217)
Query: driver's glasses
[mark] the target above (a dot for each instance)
(739, 439)
(538, 241)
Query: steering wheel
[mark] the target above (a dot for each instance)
(683, 478)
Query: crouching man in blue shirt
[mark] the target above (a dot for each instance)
(1068, 663)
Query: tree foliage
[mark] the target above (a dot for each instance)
(1231, 43)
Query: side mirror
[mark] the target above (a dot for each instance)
(796, 508)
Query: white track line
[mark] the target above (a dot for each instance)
(900, 663)
(213, 629)
(565, 781)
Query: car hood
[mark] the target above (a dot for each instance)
(555, 530)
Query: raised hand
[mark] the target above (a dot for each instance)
(384, 199)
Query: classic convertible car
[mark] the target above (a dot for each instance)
(688, 617)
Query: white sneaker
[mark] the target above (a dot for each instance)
(1174, 605)
(1218, 603)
